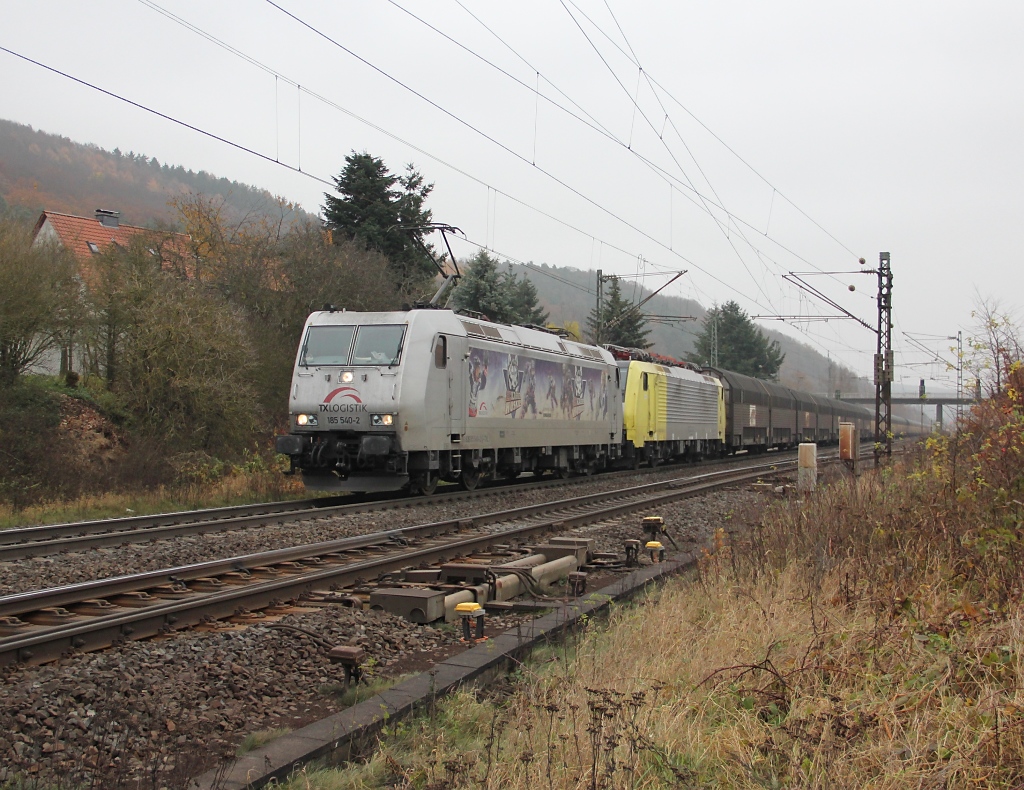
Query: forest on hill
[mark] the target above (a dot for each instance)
(41, 171)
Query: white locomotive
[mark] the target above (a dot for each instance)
(380, 401)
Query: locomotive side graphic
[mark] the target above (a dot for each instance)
(513, 394)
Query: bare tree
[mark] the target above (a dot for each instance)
(993, 344)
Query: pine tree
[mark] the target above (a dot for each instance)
(501, 296)
(526, 308)
(742, 347)
(620, 323)
(482, 289)
(376, 209)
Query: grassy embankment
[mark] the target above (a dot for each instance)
(867, 637)
(72, 454)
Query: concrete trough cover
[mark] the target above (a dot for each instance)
(414, 604)
(570, 540)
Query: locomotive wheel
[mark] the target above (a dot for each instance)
(469, 479)
(425, 484)
(562, 472)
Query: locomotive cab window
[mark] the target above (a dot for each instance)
(327, 345)
(645, 382)
(441, 352)
(380, 344)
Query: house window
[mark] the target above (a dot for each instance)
(93, 247)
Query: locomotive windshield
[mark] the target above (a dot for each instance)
(380, 344)
(327, 345)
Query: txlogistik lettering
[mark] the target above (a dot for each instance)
(344, 407)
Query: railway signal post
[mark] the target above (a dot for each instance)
(883, 362)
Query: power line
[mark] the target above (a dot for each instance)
(508, 150)
(671, 154)
(166, 117)
(708, 129)
(705, 203)
(317, 96)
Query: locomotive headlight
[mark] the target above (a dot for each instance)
(305, 419)
(346, 377)
(382, 419)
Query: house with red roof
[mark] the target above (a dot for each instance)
(90, 236)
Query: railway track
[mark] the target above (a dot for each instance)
(44, 540)
(41, 626)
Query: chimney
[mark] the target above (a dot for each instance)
(108, 219)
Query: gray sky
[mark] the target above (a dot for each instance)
(853, 129)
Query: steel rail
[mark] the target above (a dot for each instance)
(103, 631)
(45, 540)
(30, 601)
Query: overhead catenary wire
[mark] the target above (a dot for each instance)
(511, 152)
(710, 131)
(165, 116)
(698, 199)
(254, 61)
(297, 170)
(637, 109)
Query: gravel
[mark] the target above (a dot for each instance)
(75, 567)
(153, 713)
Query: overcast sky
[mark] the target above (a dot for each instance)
(754, 139)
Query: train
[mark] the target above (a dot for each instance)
(383, 401)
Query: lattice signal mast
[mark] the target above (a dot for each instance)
(883, 361)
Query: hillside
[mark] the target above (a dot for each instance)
(46, 171)
(41, 171)
(569, 295)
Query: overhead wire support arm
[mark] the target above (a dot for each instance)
(645, 300)
(825, 318)
(794, 278)
(883, 336)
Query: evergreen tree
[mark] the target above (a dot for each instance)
(742, 347)
(501, 296)
(525, 301)
(483, 289)
(375, 208)
(619, 323)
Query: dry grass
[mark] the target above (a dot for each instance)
(235, 487)
(867, 637)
